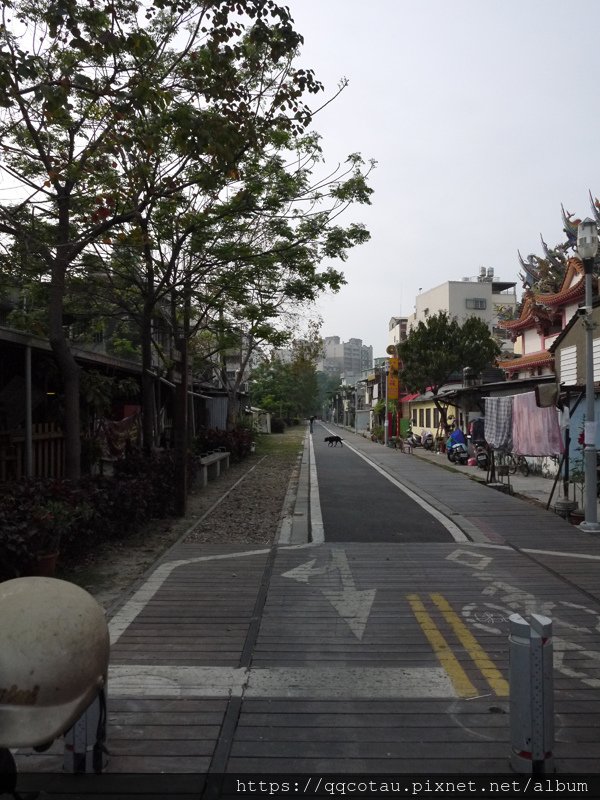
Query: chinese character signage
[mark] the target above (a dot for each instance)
(393, 379)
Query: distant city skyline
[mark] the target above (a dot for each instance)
(349, 357)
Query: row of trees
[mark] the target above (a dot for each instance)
(162, 173)
(435, 352)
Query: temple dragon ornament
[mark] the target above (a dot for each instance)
(551, 282)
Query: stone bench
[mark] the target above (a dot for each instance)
(209, 465)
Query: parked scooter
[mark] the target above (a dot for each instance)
(456, 447)
(457, 453)
(427, 439)
(482, 455)
(414, 440)
(424, 440)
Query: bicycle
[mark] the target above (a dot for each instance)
(514, 463)
(521, 464)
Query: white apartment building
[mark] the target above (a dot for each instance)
(482, 296)
(397, 330)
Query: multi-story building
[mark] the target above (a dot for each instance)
(482, 296)
(397, 330)
(345, 358)
(285, 355)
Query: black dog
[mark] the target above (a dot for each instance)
(333, 441)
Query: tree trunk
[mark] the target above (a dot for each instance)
(180, 428)
(69, 369)
(180, 422)
(232, 407)
(148, 407)
(443, 416)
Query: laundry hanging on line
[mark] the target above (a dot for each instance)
(535, 431)
(498, 422)
(516, 424)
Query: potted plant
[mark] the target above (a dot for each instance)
(377, 434)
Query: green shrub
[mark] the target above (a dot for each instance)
(237, 442)
(39, 516)
(156, 475)
(72, 518)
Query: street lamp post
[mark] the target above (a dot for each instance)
(386, 421)
(587, 247)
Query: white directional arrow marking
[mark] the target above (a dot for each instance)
(304, 571)
(352, 604)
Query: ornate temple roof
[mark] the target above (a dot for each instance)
(540, 359)
(539, 309)
(567, 293)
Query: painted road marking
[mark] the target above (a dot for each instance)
(488, 616)
(560, 553)
(477, 654)
(573, 659)
(441, 648)
(469, 559)
(142, 680)
(455, 555)
(369, 682)
(140, 599)
(352, 604)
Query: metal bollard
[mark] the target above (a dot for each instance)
(531, 694)
(84, 741)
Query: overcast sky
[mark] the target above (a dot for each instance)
(483, 118)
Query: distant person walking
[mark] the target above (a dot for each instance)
(312, 419)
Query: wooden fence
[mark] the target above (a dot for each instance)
(48, 451)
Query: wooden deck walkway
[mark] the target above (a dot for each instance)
(358, 658)
(315, 660)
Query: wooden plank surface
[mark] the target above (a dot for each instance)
(346, 608)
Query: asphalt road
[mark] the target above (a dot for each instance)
(359, 504)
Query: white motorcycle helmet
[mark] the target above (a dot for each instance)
(54, 648)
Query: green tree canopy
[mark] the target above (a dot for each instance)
(114, 109)
(440, 347)
(289, 389)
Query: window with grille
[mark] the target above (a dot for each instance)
(477, 303)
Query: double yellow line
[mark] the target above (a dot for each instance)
(443, 651)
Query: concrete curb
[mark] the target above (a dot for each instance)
(295, 527)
